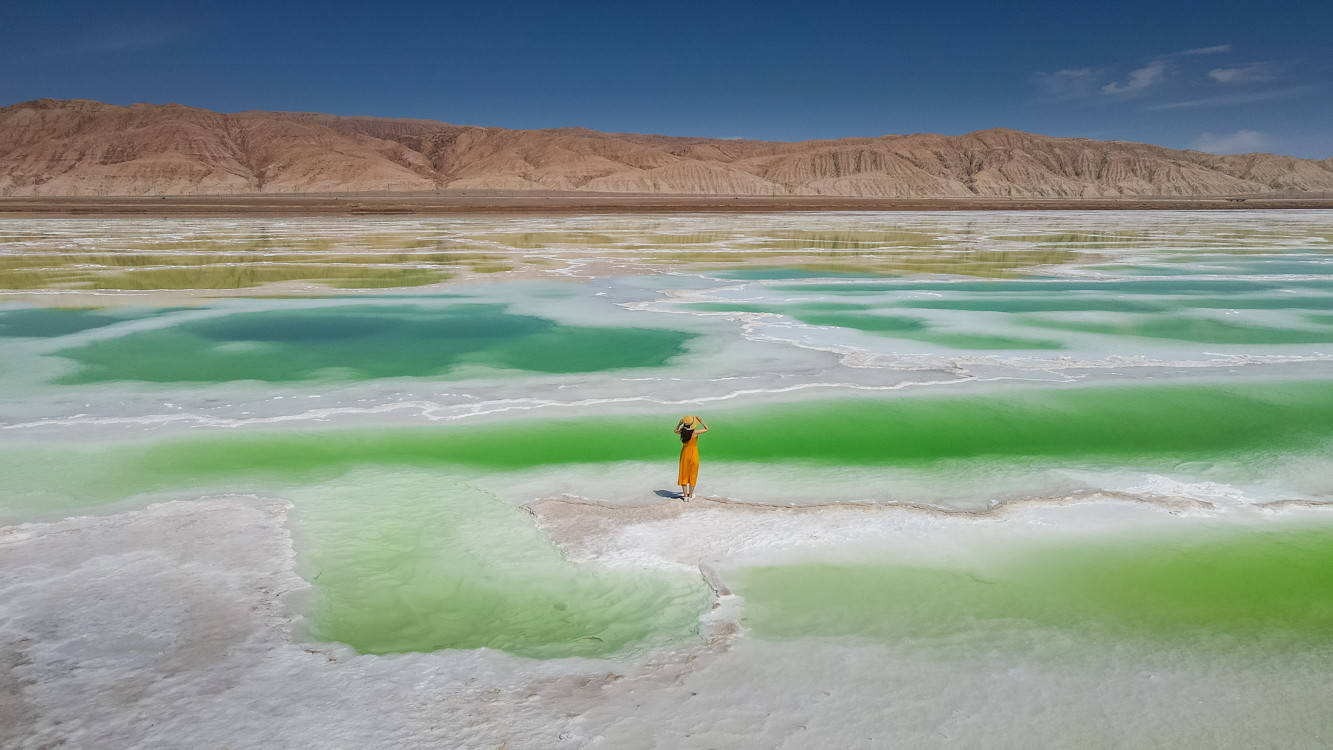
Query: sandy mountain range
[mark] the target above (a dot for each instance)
(81, 147)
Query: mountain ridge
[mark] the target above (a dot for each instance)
(81, 147)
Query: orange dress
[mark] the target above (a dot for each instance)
(689, 461)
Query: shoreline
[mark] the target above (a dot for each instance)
(449, 203)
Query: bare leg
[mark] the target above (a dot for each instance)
(684, 492)
(689, 493)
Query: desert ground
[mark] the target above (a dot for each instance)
(527, 202)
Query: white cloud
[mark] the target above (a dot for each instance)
(1252, 73)
(1080, 83)
(1240, 142)
(1217, 49)
(1069, 83)
(1249, 97)
(1149, 75)
(118, 39)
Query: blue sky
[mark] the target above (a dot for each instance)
(1222, 76)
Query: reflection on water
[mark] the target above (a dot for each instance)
(219, 254)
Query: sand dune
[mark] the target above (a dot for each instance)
(87, 148)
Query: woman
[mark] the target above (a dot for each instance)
(689, 428)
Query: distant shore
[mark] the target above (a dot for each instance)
(476, 202)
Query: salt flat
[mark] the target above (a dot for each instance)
(1005, 478)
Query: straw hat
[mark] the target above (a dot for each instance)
(688, 422)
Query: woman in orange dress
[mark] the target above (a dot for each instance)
(689, 428)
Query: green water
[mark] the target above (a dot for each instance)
(1146, 286)
(1146, 427)
(421, 561)
(983, 341)
(1284, 302)
(794, 309)
(869, 323)
(1196, 586)
(779, 273)
(48, 322)
(1202, 330)
(350, 342)
(849, 315)
(1036, 304)
(736, 307)
(1158, 319)
(918, 330)
(1289, 263)
(1125, 424)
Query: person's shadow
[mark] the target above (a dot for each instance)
(672, 494)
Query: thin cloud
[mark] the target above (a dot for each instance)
(1217, 49)
(1146, 77)
(1087, 83)
(1252, 73)
(1069, 83)
(1240, 142)
(1226, 100)
(133, 39)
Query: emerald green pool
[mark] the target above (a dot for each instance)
(439, 564)
(1148, 427)
(1223, 589)
(363, 341)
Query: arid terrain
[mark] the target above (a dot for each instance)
(80, 148)
(446, 202)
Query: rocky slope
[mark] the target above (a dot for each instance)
(80, 147)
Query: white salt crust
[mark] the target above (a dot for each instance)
(176, 626)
